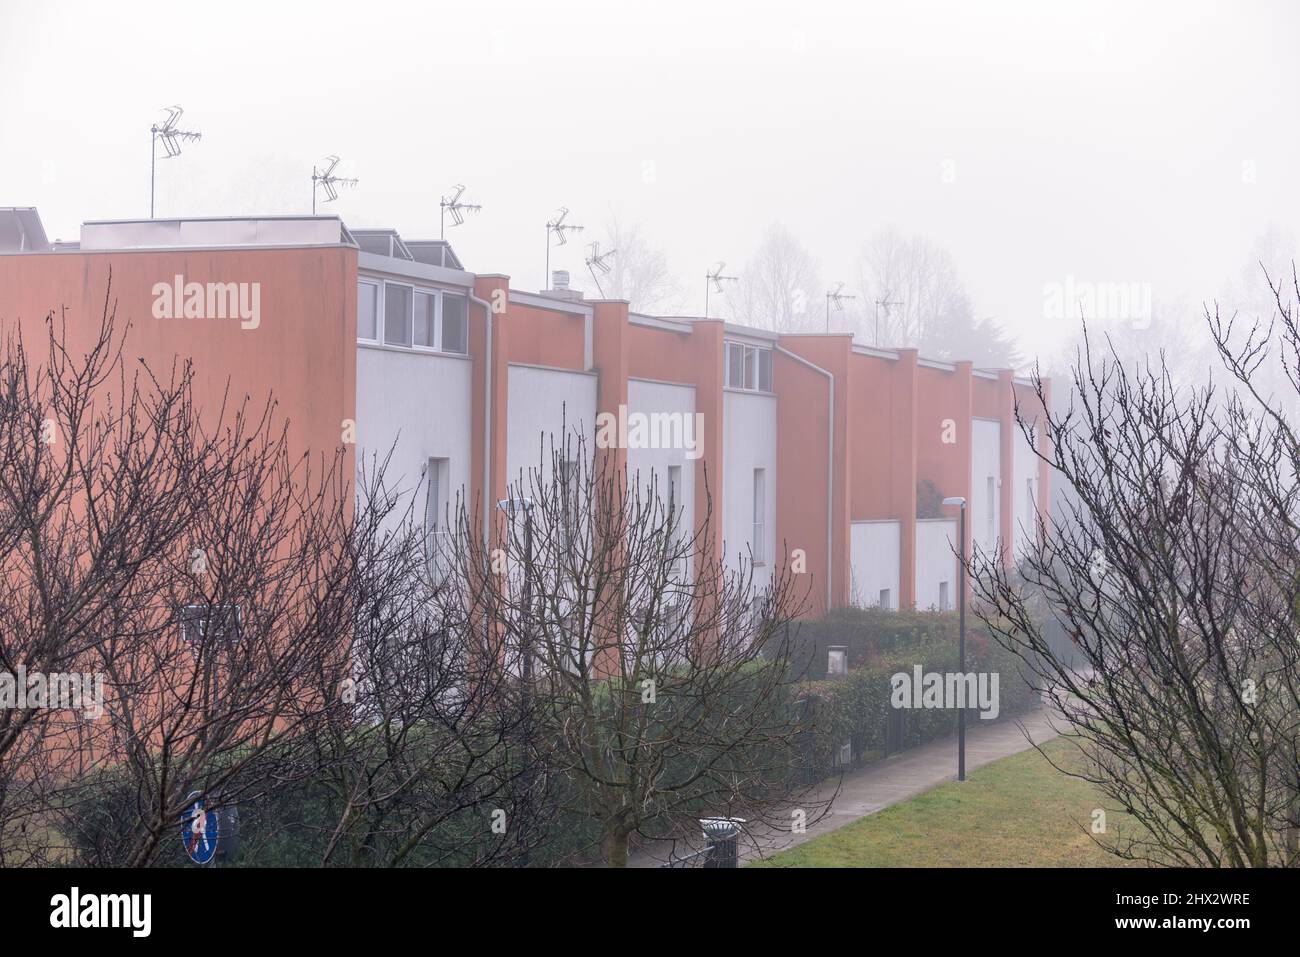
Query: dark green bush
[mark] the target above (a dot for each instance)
(856, 708)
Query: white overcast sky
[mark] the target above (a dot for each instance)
(1103, 141)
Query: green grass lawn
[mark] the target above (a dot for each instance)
(1015, 812)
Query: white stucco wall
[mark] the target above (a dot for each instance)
(547, 406)
(748, 443)
(418, 404)
(648, 467)
(986, 463)
(1024, 494)
(936, 562)
(873, 554)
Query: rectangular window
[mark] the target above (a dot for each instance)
(1031, 512)
(748, 368)
(674, 620)
(674, 487)
(886, 599)
(426, 310)
(735, 365)
(945, 603)
(397, 314)
(437, 517)
(367, 311)
(569, 484)
(455, 323)
(435, 508)
(991, 492)
(837, 661)
(760, 514)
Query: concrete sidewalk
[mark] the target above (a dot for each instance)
(887, 782)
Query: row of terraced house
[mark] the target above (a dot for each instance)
(809, 444)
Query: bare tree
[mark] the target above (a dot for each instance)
(192, 564)
(638, 270)
(419, 768)
(659, 679)
(779, 287)
(87, 499)
(912, 290)
(1173, 570)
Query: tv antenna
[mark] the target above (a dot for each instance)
(837, 296)
(325, 178)
(714, 279)
(886, 303)
(598, 262)
(559, 227)
(171, 139)
(457, 209)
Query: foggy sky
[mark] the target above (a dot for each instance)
(1109, 142)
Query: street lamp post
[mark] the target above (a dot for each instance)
(510, 506)
(960, 502)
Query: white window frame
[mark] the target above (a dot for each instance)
(381, 315)
(377, 288)
(885, 599)
(758, 544)
(438, 324)
(437, 478)
(945, 599)
(674, 488)
(436, 297)
(383, 331)
(752, 360)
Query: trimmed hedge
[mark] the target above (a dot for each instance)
(856, 707)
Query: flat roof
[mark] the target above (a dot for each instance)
(214, 231)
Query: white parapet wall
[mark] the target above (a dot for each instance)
(664, 445)
(549, 410)
(1024, 494)
(749, 446)
(936, 564)
(413, 407)
(983, 511)
(874, 552)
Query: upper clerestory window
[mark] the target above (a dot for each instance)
(748, 367)
(400, 314)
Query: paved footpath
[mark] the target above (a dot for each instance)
(887, 782)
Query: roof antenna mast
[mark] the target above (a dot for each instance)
(328, 181)
(452, 204)
(171, 139)
(598, 262)
(714, 279)
(837, 296)
(559, 227)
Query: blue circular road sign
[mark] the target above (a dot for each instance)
(199, 830)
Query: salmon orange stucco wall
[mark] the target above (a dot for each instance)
(1030, 408)
(802, 460)
(302, 350)
(883, 476)
(490, 388)
(609, 349)
(943, 431)
(546, 337)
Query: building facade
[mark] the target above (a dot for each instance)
(807, 452)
